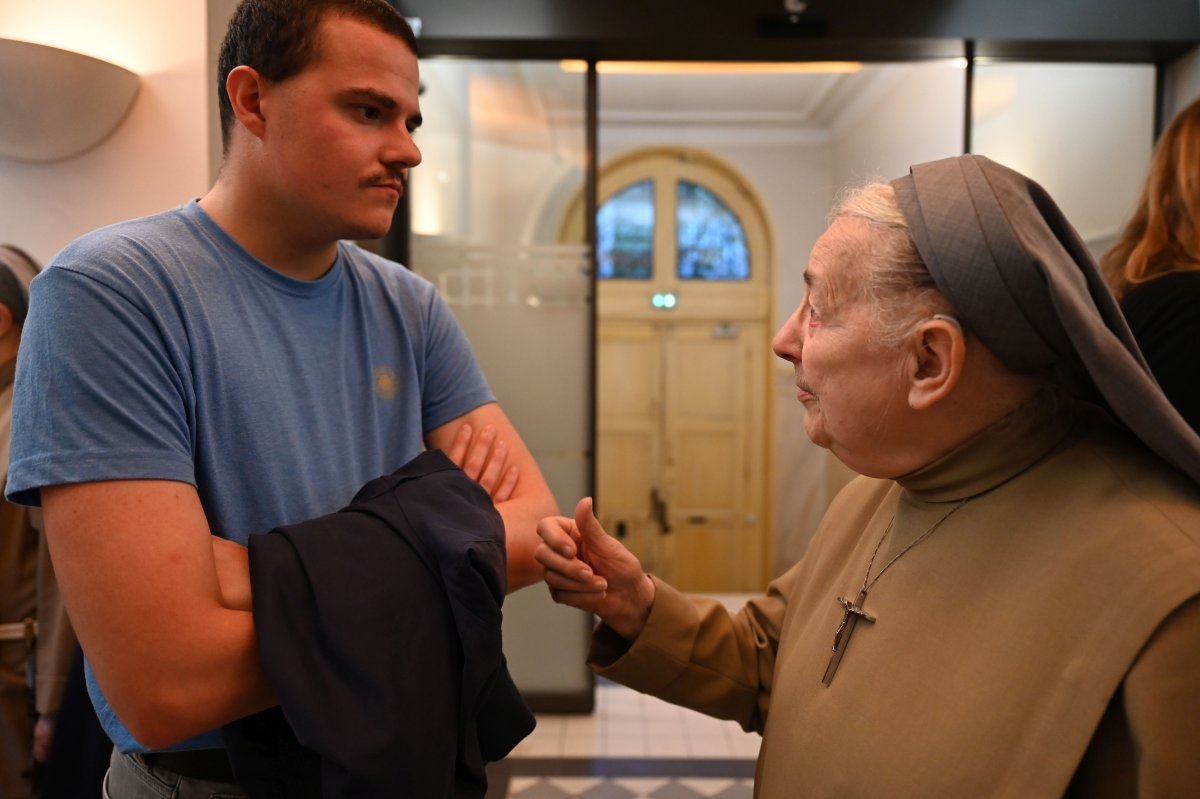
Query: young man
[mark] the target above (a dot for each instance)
(233, 365)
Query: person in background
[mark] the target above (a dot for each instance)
(81, 750)
(36, 640)
(235, 365)
(1007, 602)
(1154, 268)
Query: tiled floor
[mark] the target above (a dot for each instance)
(633, 745)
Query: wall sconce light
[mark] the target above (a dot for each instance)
(55, 104)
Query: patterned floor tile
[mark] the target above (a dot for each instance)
(706, 787)
(541, 790)
(608, 790)
(676, 790)
(629, 788)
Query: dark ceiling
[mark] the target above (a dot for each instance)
(879, 30)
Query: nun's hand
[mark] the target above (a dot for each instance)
(588, 569)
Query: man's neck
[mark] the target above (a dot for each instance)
(276, 245)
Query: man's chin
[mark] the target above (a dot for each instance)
(366, 232)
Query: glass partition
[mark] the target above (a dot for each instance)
(712, 189)
(1085, 132)
(503, 152)
(702, 465)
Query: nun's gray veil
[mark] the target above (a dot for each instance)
(1021, 279)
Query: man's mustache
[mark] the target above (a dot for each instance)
(398, 179)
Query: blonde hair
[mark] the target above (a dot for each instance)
(1163, 234)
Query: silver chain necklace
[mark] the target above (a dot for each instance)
(854, 610)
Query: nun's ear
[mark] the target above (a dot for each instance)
(936, 357)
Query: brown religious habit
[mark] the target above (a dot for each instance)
(854, 610)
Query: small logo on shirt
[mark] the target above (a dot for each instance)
(385, 383)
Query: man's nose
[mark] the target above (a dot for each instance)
(402, 152)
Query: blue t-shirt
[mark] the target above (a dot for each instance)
(160, 349)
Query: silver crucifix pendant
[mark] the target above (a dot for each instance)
(841, 637)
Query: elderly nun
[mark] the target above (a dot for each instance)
(1005, 602)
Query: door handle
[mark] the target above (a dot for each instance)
(658, 509)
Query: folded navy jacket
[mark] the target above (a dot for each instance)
(379, 629)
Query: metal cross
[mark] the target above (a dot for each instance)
(841, 638)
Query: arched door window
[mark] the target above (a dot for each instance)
(710, 242)
(625, 234)
(679, 224)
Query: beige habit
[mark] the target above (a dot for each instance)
(28, 590)
(1041, 641)
(1056, 598)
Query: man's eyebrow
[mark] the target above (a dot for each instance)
(366, 94)
(372, 95)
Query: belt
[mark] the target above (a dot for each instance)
(211, 765)
(20, 631)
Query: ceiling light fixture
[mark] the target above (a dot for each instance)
(713, 67)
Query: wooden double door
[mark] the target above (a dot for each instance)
(681, 431)
(682, 341)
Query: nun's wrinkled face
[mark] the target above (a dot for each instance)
(853, 389)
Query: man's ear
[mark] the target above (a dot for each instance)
(245, 88)
(939, 350)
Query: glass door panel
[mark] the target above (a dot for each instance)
(1085, 132)
(503, 153)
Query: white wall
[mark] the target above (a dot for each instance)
(157, 158)
(1182, 83)
(910, 114)
(1083, 131)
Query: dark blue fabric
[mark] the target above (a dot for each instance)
(379, 628)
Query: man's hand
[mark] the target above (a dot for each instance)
(520, 502)
(586, 568)
(484, 458)
(136, 563)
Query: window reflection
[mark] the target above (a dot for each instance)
(711, 242)
(625, 233)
